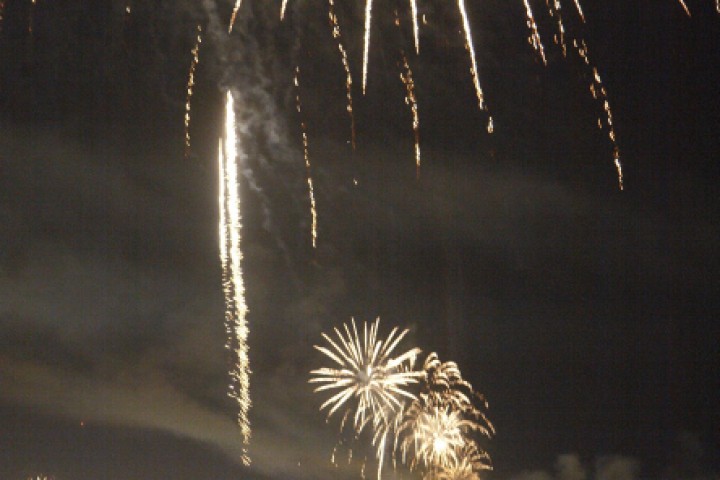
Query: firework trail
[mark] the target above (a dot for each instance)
(411, 100)
(367, 373)
(232, 276)
(416, 28)
(599, 92)
(234, 14)
(580, 10)
(471, 51)
(282, 9)
(717, 6)
(366, 43)
(337, 35)
(534, 38)
(306, 155)
(685, 7)
(469, 463)
(190, 84)
(554, 8)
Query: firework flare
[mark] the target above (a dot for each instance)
(282, 9)
(306, 155)
(337, 35)
(534, 38)
(232, 276)
(685, 7)
(471, 51)
(580, 10)
(416, 28)
(411, 100)
(234, 15)
(366, 42)
(190, 84)
(368, 374)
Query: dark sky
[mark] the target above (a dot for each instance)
(587, 316)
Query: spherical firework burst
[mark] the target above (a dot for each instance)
(367, 375)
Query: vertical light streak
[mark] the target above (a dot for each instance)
(717, 6)
(337, 35)
(306, 155)
(685, 7)
(234, 288)
(366, 43)
(471, 51)
(234, 14)
(534, 38)
(282, 10)
(416, 28)
(190, 84)
(411, 101)
(599, 92)
(554, 8)
(580, 10)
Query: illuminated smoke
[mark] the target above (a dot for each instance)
(232, 276)
(190, 84)
(306, 155)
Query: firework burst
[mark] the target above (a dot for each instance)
(366, 375)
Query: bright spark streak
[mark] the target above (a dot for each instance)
(416, 28)
(234, 14)
(337, 34)
(599, 92)
(580, 10)
(717, 5)
(190, 84)
(411, 100)
(234, 289)
(306, 155)
(554, 8)
(685, 7)
(282, 9)
(471, 51)
(366, 47)
(534, 39)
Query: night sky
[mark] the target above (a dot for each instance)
(588, 316)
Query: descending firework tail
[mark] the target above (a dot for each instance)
(554, 10)
(534, 39)
(416, 28)
(580, 10)
(337, 35)
(232, 276)
(685, 7)
(366, 42)
(306, 155)
(234, 15)
(282, 9)
(471, 51)
(190, 84)
(467, 465)
(599, 93)
(367, 379)
(411, 100)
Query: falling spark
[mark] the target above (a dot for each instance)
(416, 28)
(190, 84)
(231, 260)
(471, 51)
(580, 10)
(306, 155)
(554, 8)
(234, 14)
(337, 35)
(282, 9)
(534, 38)
(599, 92)
(366, 43)
(411, 101)
(367, 373)
(685, 7)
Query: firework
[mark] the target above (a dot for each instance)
(554, 8)
(416, 28)
(366, 43)
(468, 465)
(407, 78)
(306, 155)
(337, 35)
(282, 9)
(471, 52)
(534, 39)
(233, 286)
(580, 10)
(234, 14)
(366, 373)
(190, 84)
(685, 7)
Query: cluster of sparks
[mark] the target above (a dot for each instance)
(306, 155)
(337, 35)
(427, 418)
(232, 276)
(190, 85)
